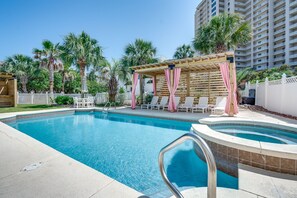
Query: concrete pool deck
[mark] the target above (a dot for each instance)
(54, 174)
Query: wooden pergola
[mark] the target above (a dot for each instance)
(200, 76)
(8, 90)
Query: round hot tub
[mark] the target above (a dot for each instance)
(265, 145)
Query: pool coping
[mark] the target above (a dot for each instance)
(111, 185)
(281, 150)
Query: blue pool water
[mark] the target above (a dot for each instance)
(124, 147)
(258, 133)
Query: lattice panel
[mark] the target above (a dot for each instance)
(209, 84)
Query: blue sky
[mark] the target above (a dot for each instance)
(114, 23)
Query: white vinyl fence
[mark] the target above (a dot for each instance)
(278, 95)
(46, 98)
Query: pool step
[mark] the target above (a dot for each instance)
(221, 193)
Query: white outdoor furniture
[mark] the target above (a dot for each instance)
(202, 105)
(187, 105)
(176, 101)
(220, 104)
(153, 102)
(76, 102)
(163, 102)
(90, 102)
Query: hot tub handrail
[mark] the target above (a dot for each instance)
(211, 165)
(106, 111)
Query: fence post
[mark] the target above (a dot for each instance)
(282, 100)
(32, 97)
(256, 91)
(46, 96)
(266, 92)
(246, 89)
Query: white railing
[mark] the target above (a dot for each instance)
(47, 98)
(278, 95)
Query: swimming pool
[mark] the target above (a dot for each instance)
(124, 147)
(258, 133)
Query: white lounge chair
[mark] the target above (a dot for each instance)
(163, 102)
(76, 102)
(153, 102)
(220, 104)
(176, 101)
(90, 102)
(202, 105)
(187, 105)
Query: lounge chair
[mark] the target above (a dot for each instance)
(202, 105)
(220, 104)
(76, 102)
(153, 102)
(187, 105)
(90, 102)
(176, 100)
(163, 102)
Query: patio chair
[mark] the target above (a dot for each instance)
(163, 102)
(76, 102)
(153, 102)
(220, 104)
(187, 105)
(202, 105)
(176, 100)
(90, 102)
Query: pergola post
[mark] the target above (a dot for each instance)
(155, 84)
(141, 88)
(231, 72)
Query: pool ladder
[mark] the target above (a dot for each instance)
(211, 165)
(107, 108)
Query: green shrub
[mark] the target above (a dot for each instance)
(64, 100)
(112, 104)
(121, 90)
(148, 98)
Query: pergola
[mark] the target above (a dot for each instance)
(8, 90)
(211, 76)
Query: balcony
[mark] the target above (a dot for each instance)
(279, 38)
(260, 63)
(261, 56)
(278, 11)
(279, 45)
(279, 17)
(281, 58)
(293, 26)
(279, 24)
(279, 31)
(293, 33)
(293, 56)
(279, 52)
(293, 48)
(263, 36)
(256, 19)
(293, 10)
(293, 40)
(262, 43)
(278, 3)
(292, 4)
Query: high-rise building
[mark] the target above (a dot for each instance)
(274, 27)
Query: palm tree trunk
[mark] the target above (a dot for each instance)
(63, 81)
(24, 87)
(51, 77)
(82, 75)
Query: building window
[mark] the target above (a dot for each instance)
(259, 54)
(259, 60)
(259, 48)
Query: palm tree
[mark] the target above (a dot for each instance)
(184, 51)
(224, 32)
(112, 73)
(49, 57)
(139, 53)
(68, 74)
(83, 51)
(22, 67)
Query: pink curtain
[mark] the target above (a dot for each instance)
(172, 90)
(224, 68)
(135, 80)
(154, 86)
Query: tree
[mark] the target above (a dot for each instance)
(49, 57)
(68, 74)
(224, 32)
(83, 51)
(112, 73)
(139, 53)
(22, 67)
(184, 51)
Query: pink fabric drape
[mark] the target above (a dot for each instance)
(135, 80)
(172, 89)
(154, 86)
(224, 68)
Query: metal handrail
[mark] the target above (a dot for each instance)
(107, 107)
(211, 165)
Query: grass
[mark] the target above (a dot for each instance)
(28, 107)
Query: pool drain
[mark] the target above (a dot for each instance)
(32, 166)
